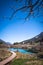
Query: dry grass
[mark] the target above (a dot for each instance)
(4, 54)
(35, 62)
(25, 56)
(26, 59)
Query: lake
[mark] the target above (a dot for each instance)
(20, 50)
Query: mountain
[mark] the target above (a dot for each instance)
(37, 38)
(4, 44)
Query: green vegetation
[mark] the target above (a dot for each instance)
(1, 42)
(33, 50)
(26, 59)
(26, 62)
(19, 61)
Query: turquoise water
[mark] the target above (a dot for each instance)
(20, 50)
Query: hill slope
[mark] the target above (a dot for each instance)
(4, 44)
(34, 39)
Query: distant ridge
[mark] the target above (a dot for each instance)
(3, 42)
(34, 39)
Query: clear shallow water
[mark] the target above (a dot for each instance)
(20, 50)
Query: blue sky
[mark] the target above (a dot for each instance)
(17, 29)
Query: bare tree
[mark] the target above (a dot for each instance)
(32, 7)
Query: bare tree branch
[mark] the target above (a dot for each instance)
(32, 6)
